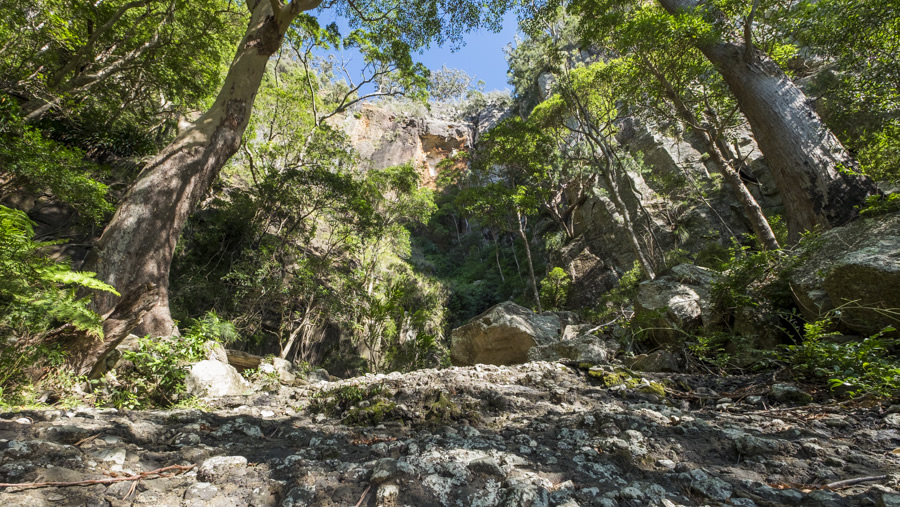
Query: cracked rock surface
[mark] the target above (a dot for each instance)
(535, 434)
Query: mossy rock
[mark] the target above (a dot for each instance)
(375, 413)
(441, 409)
(653, 388)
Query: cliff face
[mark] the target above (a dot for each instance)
(384, 138)
(676, 196)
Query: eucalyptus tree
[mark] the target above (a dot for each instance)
(817, 177)
(137, 245)
(585, 106)
(153, 56)
(855, 46)
(665, 78)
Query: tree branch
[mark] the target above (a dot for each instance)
(748, 30)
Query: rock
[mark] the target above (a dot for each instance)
(116, 456)
(219, 467)
(486, 466)
(384, 138)
(710, 487)
(214, 378)
(666, 463)
(387, 495)
(502, 335)
(787, 393)
(385, 469)
(583, 348)
(858, 263)
(215, 351)
(892, 420)
(280, 368)
(591, 276)
(674, 304)
(657, 361)
(749, 445)
(318, 375)
(202, 491)
(886, 499)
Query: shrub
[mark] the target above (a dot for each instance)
(555, 289)
(37, 292)
(854, 367)
(155, 375)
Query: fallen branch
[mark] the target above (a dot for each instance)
(159, 472)
(852, 482)
(364, 495)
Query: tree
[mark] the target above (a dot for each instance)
(448, 85)
(159, 57)
(585, 106)
(137, 246)
(815, 174)
(665, 78)
(857, 84)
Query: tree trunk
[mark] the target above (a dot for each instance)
(497, 257)
(628, 224)
(534, 287)
(817, 177)
(86, 354)
(138, 244)
(724, 162)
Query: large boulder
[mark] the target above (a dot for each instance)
(856, 269)
(577, 344)
(675, 304)
(214, 378)
(502, 335)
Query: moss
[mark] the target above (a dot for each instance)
(372, 414)
(585, 366)
(441, 409)
(653, 388)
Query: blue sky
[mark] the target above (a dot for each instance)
(482, 55)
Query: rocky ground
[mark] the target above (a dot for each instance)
(541, 433)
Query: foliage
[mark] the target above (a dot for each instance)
(750, 276)
(155, 375)
(614, 302)
(881, 204)
(449, 85)
(119, 61)
(853, 367)
(37, 292)
(340, 399)
(555, 289)
(858, 87)
(30, 161)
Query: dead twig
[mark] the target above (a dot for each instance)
(159, 472)
(130, 491)
(86, 440)
(852, 482)
(364, 495)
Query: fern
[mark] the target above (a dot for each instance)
(35, 291)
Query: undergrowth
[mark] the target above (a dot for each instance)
(851, 367)
(153, 374)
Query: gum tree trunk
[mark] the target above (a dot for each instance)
(816, 176)
(723, 161)
(137, 246)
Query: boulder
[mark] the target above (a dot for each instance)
(675, 303)
(576, 345)
(855, 268)
(657, 361)
(502, 335)
(214, 378)
(280, 367)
